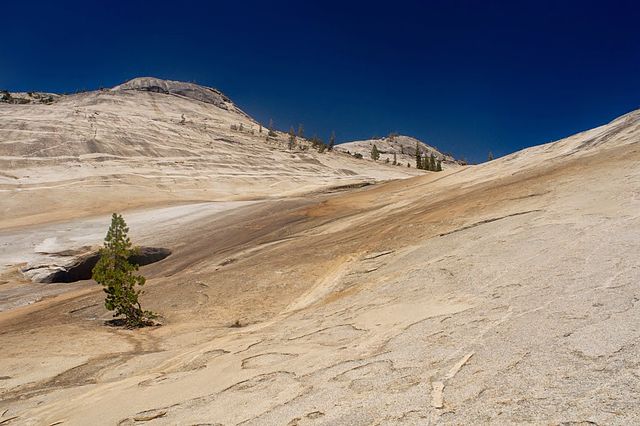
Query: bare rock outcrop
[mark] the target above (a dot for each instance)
(181, 88)
(71, 268)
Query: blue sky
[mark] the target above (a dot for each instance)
(465, 76)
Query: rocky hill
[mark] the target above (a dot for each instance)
(151, 141)
(404, 148)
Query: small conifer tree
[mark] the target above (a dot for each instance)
(439, 166)
(375, 154)
(300, 130)
(432, 162)
(118, 276)
(395, 159)
(332, 141)
(418, 157)
(292, 138)
(490, 156)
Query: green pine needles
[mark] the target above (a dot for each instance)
(375, 154)
(119, 278)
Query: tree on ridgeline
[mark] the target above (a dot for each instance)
(292, 138)
(271, 132)
(490, 156)
(418, 157)
(300, 130)
(332, 141)
(118, 276)
(375, 154)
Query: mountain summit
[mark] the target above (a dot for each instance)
(179, 88)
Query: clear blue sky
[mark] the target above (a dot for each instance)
(466, 76)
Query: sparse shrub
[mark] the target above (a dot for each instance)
(357, 155)
(271, 133)
(318, 143)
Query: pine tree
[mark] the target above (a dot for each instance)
(432, 162)
(292, 138)
(395, 159)
(439, 166)
(490, 156)
(332, 140)
(375, 154)
(418, 157)
(300, 130)
(117, 275)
